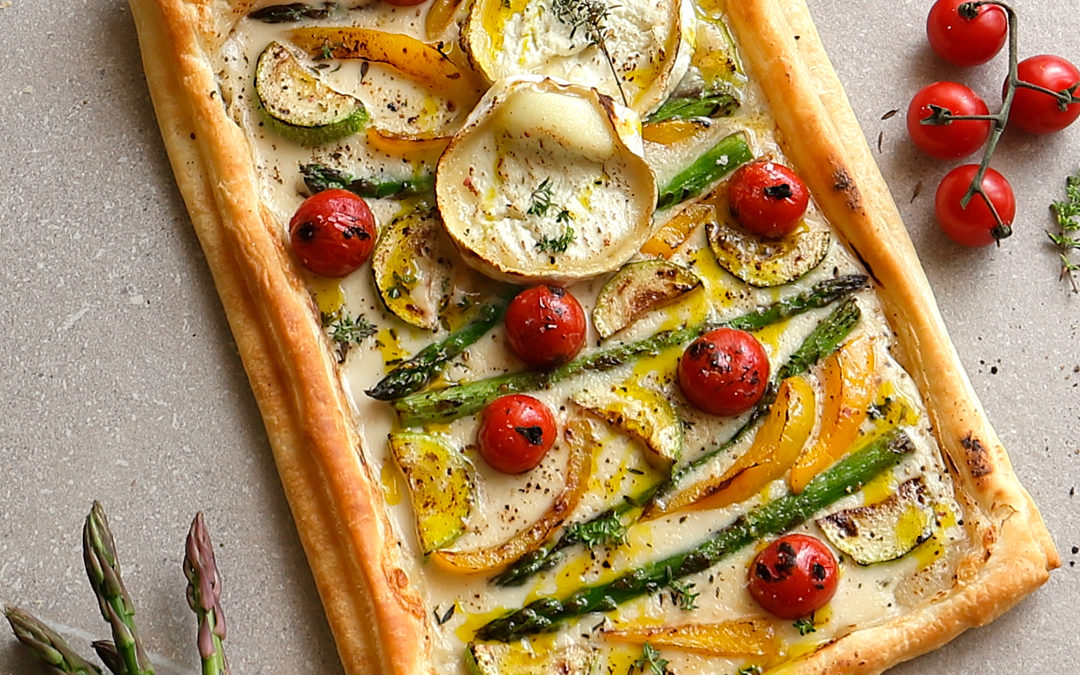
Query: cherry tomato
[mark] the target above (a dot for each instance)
(975, 225)
(545, 326)
(1036, 111)
(333, 232)
(958, 138)
(793, 576)
(966, 41)
(724, 372)
(767, 198)
(515, 433)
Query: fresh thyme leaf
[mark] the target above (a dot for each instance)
(589, 17)
(805, 626)
(1067, 215)
(650, 659)
(540, 199)
(348, 330)
(606, 530)
(558, 244)
(681, 594)
(445, 616)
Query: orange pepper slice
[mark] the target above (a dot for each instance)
(674, 232)
(670, 132)
(775, 447)
(582, 439)
(737, 637)
(849, 389)
(403, 145)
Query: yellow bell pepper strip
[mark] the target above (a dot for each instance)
(671, 235)
(670, 132)
(439, 17)
(581, 438)
(404, 145)
(417, 60)
(849, 389)
(776, 446)
(737, 637)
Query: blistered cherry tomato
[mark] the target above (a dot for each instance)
(545, 326)
(767, 198)
(1036, 111)
(958, 138)
(975, 225)
(793, 576)
(724, 372)
(515, 433)
(965, 41)
(333, 233)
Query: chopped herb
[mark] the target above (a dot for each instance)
(650, 659)
(1067, 215)
(346, 331)
(805, 626)
(441, 619)
(564, 217)
(558, 244)
(681, 594)
(540, 199)
(605, 530)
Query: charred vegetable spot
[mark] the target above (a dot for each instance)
(778, 192)
(697, 349)
(557, 291)
(785, 560)
(846, 523)
(533, 434)
(306, 232)
(978, 459)
(842, 182)
(355, 231)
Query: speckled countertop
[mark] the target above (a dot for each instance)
(121, 382)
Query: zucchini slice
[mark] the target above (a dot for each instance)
(440, 486)
(883, 531)
(483, 658)
(413, 268)
(764, 262)
(298, 105)
(645, 414)
(637, 289)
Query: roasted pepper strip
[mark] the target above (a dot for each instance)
(774, 450)
(671, 235)
(404, 145)
(581, 438)
(418, 60)
(440, 16)
(849, 390)
(737, 637)
(669, 132)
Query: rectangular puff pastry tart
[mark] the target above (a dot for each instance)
(586, 335)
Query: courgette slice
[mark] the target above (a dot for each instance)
(883, 531)
(764, 262)
(440, 486)
(413, 268)
(298, 105)
(482, 658)
(644, 414)
(637, 289)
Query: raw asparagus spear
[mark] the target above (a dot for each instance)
(706, 104)
(415, 373)
(824, 339)
(845, 477)
(46, 644)
(106, 651)
(452, 402)
(204, 597)
(728, 153)
(103, 569)
(318, 177)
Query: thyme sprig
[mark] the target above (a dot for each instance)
(345, 331)
(1067, 215)
(540, 199)
(650, 660)
(943, 116)
(590, 18)
(605, 530)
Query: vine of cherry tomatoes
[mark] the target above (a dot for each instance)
(974, 204)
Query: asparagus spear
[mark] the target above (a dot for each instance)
(824, 339)
(318, 177)
(204, 597)
(728, 153)
(705, 104)
(106, 651)
(415, 373)
(46, 644)
(845, 477)
(291, 12)
(103, 569)
(457, 401)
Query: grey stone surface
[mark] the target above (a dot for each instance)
(120, 381)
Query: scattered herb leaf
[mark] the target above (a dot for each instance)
(805, 626)
(558, 244)
(540, 200)
(606, 530)
(1067, 215)
(589, 16)
(650, 659)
